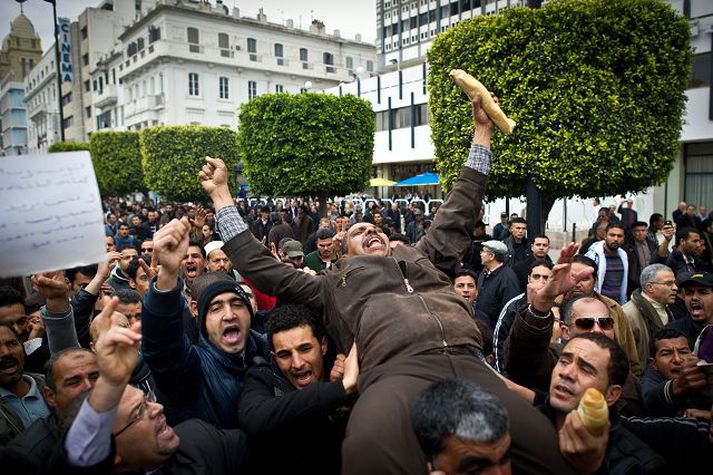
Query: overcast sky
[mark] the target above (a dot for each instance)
(348, 16)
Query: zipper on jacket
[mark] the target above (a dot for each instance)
(438, 320)
(402, 269)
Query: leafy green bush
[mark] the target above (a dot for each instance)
(597, 89)
(172, 156)
(67, 147)
(306, 144)
(117, 162)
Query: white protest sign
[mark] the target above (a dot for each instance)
(50, 213)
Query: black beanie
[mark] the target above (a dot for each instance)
(217, 288)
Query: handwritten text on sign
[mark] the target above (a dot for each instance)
(50, 213)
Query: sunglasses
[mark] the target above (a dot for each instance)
(587, 323)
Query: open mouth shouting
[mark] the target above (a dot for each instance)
(191, 270)
(231, 335)
(302, 378)
(697, 311)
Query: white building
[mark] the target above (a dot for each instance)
(195, 63)
(403, 148)
(42, 105)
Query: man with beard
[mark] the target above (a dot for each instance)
(698, 295)
(192, 265)
(217, 261)
(326, 253)
(411, 329)
(293, 393)
(21, 398)
(685, 257)
(215, 366)
(612, 264)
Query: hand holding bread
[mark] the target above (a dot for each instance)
(472, 87)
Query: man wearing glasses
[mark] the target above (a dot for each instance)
(648, 311)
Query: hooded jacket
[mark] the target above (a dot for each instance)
(197, 380)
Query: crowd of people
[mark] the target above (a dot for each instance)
(301, 337)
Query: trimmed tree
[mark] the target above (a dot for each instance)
(597, 89)
(117, 162)
(67, 147)
(306, 144)
(172, 156)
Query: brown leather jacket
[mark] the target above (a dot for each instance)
(402, 304)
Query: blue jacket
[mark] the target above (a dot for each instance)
(197, 380)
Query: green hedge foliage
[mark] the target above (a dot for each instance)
(172, 156)
(117, 162)
(306, 143)
(597, 89)
(68, 147)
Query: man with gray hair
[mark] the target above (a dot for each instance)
(462, 428)
(647, 311)
(498, 283)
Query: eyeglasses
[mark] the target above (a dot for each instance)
(587, 323)
(140, 412)
(668, 283)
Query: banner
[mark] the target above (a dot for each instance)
(65, 49)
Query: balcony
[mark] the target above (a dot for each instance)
(149, 103)
(105, 97)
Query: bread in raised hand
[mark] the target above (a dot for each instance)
(472, 87)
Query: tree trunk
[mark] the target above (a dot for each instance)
(323, 208)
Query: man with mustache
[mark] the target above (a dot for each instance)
(397, 304)
(698, 295)
(204, 379)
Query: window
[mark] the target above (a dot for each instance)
(67, 98)
(350, 62)
(193, 88)
(154, 34)
(304, 55)
(224, 45)
(193, 40)
(84, 33)
(279, 88)
(139, 44)
(67, 122)
(369, 65)
(88, 111)
(223, 87)
(85, 59)
(280, 54)
(252, 49)
(700, 71)
(328, 60)
(87, 86)
(252, 90)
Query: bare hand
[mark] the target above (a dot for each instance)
(199, 219)
(668, 231)
(480, 117)
(117, 349)
(337, 372)
(37, 328)
(273, 251)
(105, 267)
(562, 280)
(213, 176)
(691, 378)
(351, 370)
(52, 285)
(584, 451)
(171, 244)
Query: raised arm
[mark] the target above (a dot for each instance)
(166, 349)
(451, 231)
(250, 257)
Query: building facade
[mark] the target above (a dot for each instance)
(21, 51)
(402, 145)
(195, 63)
(42, 105)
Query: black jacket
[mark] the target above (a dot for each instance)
(689, 327)
(276, 414)
(495, 290)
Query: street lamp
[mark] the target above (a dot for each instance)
(308, 86)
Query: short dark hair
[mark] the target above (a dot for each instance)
(465, 272)
(50, 365)
(460, 408)
(664, 334)
(289, 316)
(479, 224)
(654, 217)
(10, 296)
(323, 233)
(134, 265)
(89, 271)
(399, 237)
(123, 225)
(540, 263)
(618, 367)
(541, 236)
(615, 225)
(639, 224)
(580, 259)
(128, 296)
(518, 221)
(685, 233)
(121, 247)
(194, 243)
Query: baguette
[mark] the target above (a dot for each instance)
(593, 411)
(472, 87)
